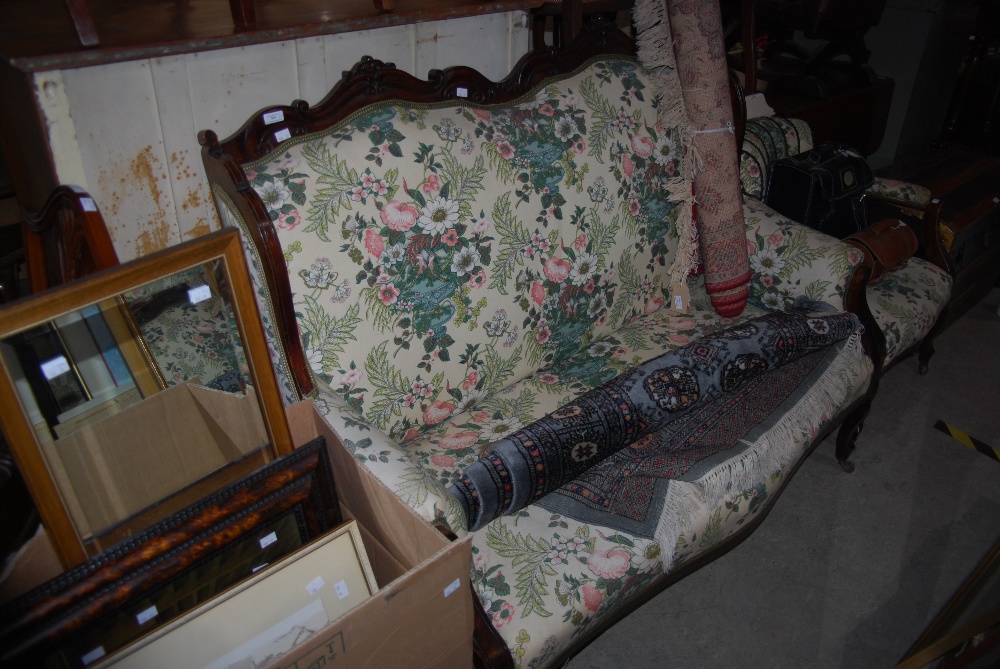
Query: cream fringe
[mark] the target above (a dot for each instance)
(655, 47)
(775, 449)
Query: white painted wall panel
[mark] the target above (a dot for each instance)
(128, 132)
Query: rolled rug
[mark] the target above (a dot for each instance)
(555, 449)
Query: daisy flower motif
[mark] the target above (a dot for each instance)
(465, 261)
(499, 428)
(439, 215)
(600, 349)
(469, 400)
(767, 262)
(583, 268)
(665, 151)
(274, 195)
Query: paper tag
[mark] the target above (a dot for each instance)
(199, 294)
(452, 587)
(315, 585)
(274, 117)
(88, 204)
(283, 134)
(93, 656)
(268, 540)
(462, 92)
(145, 616)
(680, 298)
(342, 591)
(54, 367)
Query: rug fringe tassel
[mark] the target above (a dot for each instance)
(775, 449)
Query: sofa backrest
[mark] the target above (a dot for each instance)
(765, 140)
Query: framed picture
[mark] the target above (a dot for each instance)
(174, 566)
(265, 616)
(156, 365)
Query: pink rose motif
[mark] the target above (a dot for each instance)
(775, 239)
(450, 238)
(591, 597)
(579, 146)
(683, 323)
(350, 377)
(437, 412)
(589, 287)
(432, 184)
(504, 615)
(537, 292)
(411, 434)
(374, 243)
(767, 281)
(399, 216)
(543, 335)
(653, 305)
(627, 166)
(480, 417)
(482, 114)
(556, 269)
(633, 207)
(611, 563)
(506, 149)
(458, 440)
(443, 461)
(580, 243)
(470, 380)
(679, 338)
(548, 378)
(478, 280)
(643, 146)
(388, 294)
(547, 110)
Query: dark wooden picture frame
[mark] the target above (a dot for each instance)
(61, 617)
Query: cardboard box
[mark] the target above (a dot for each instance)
(114, 468)
(422, 616)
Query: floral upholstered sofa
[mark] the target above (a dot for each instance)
(443, 263)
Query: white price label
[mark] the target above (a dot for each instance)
(268, 540)
(145, 616)
(342, 589)
(93, 656)
(88, 204)
(274, 117)
(315, 585)
(199, 294)
(283, 134)
(462, 92)
(54, 367)
(452, 587)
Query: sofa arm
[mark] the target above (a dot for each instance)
(390, 463)
(789, 260)
(900, 193)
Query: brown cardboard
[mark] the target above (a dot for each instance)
(131, 460)
(422, 618)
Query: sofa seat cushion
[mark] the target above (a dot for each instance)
(906, 304)
(430, 244)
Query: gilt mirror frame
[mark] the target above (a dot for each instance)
(31, 312)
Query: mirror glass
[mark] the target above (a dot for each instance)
(139, 399)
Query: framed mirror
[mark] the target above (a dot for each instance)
(130, 394)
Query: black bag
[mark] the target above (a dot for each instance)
(823, 188)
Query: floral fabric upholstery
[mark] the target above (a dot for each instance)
(433, 253)
(765, 140)
(907, 302)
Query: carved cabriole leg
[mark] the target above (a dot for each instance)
(873, 339)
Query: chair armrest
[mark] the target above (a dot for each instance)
(788, 260)
(901, 193)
